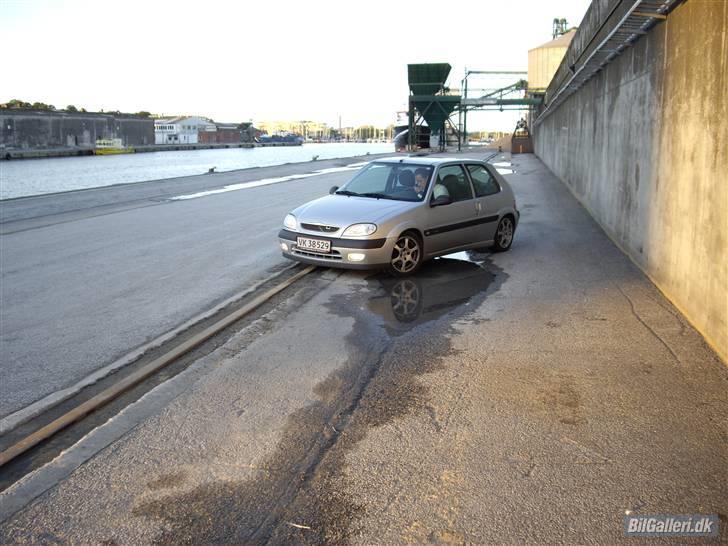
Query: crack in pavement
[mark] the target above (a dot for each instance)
(644, 323)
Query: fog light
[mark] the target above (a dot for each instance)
(284, 247)
(356, 257)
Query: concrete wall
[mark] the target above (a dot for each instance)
(591, 31)
(134, 131)
(644, 146)
(23, 129)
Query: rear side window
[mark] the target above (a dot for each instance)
(483, 181)
(453, 179)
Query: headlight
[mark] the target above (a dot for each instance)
(359, 230)
(290, 221)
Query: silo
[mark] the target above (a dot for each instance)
(544, 60)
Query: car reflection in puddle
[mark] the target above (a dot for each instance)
(440, 286)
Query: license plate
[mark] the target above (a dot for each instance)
(313, 245)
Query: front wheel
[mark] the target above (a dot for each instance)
(406, 255)
(504, 234)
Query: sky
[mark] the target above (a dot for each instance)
(263, 60)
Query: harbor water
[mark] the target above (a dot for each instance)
(25, 177)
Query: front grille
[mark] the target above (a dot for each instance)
(334, 256)
(318, 227)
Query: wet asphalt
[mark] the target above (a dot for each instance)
(530, 396)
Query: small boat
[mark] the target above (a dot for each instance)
(111, 147)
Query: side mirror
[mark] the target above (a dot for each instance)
(333, 190)
(440, 201)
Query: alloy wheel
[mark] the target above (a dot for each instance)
(504, 234)
(406, 254)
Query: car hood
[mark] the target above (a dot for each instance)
(342, 211)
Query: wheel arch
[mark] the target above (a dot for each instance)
(414, 230)
(512, 216)
(406, 226)
(509, 212)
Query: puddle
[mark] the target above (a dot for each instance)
(301, 494)
(440, 286)
(474, 256)
(504, 167)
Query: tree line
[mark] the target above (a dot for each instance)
(17, 104)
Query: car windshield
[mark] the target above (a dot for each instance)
(398, 181)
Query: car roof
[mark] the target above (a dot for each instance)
(425, 160)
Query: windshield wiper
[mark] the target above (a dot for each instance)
(377, 195)
(345, 192)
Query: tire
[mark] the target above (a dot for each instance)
(503, 238)
(406, 255)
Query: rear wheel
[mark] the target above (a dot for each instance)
(504, 234)
(406, 255)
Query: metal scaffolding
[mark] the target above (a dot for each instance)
(431, 101)
(510, 96)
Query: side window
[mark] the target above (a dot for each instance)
(405, 180)
(483, 181)
(452, 178)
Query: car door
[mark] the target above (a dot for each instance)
(453, 225)
(489, 200)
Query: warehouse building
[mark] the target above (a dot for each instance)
(24, 129)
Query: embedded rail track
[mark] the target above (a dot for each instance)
(77, 409)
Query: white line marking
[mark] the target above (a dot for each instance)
(265, 182)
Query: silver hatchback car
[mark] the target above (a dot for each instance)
(396, 213)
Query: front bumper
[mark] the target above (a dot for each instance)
(345, 253)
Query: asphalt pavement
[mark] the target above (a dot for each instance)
(87, 277)
(532, 396)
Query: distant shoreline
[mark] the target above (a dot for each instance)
(6, 155)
